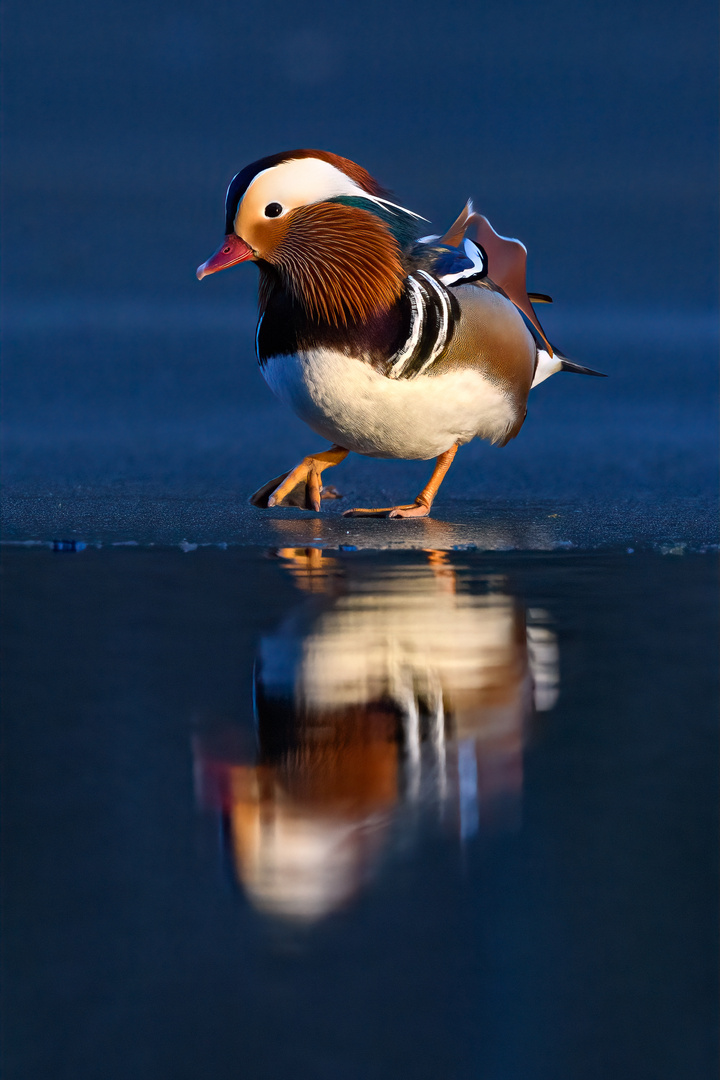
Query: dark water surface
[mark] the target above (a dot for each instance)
(344, 814)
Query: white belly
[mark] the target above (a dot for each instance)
(351, 404)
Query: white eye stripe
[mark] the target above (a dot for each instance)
(301, 182)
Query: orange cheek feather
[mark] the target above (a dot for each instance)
(341, 262)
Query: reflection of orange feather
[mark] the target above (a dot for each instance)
(346, 762)
(304, 834)
(342, 263)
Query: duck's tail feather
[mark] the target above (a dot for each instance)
(548, 365)
(568, 365)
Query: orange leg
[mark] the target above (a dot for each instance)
(421, 506)
(301, 487)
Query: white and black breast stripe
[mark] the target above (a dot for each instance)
(432, 322)
(444, 330)
(404, 356)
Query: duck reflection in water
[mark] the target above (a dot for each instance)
(388, 691)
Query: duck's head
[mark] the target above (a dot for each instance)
(324, 226)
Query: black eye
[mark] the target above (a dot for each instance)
(273, 209)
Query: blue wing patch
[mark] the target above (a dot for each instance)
(459, 265)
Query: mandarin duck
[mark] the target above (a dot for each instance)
(386, 343)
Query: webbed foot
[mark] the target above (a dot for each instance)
(421, 507)
(301, 487)
(414, 510)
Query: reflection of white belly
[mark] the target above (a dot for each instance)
(349, 403)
